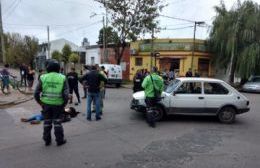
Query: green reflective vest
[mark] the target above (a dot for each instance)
(148, 85)
(52, 87)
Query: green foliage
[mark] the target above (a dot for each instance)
(56, 55)
(111, 36)
(235, 38)
(131, 19)
(20, 49)
(74, 58)
(66, 51)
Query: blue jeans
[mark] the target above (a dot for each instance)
(96, 98)
(37, 117)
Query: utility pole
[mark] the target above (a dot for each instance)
(48, 34)
(106, 53)
(194, 38)
(104, 41)
(152, 50)
(2, 35)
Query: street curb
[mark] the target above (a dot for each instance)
(15, 102)
(128, 87)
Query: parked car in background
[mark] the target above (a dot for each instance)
(197, 96)
(252, 85)
(114, 74)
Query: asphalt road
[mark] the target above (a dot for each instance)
(123, 139)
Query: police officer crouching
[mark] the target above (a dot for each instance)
(52, 94)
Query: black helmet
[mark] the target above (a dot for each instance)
(52, 65)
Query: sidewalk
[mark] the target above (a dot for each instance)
(128, 86)
(14, 98)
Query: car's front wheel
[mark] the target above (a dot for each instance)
(158, 113)
(227, 115)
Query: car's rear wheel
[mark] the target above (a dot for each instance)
(158, 113)
(227, 115)
(118, 85)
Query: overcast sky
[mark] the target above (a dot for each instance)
(70, 19)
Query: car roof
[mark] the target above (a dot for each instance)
(199, 79)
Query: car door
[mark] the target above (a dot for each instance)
(216, 95)
(188, 98)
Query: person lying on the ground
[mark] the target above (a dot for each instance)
(68, 113)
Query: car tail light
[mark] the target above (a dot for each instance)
(247, 103)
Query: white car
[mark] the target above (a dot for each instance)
(203, 96)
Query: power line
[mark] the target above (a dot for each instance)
(10, 6)
(44, 25)
(13, 9)
(181, 24)
(74, 2)
(81, 27)
(179, 28)
(176, 18)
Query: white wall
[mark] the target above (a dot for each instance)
(59, 44)
(93, 56)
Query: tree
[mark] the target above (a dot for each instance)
(30, 48)
(56, 55)
(131, 18)
(20, 49)
(66, 51)
(111, 36)
(74, 58)
(235, 39)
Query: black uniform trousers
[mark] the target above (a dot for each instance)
(76, 90)
(52, 115)
(150, 103)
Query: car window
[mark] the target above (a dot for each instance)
(189, 88)
(214, 88)
(255, 79)
(172, 86)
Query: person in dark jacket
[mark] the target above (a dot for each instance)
(138, 79)
(52, 94)
(73, 85)
(189, 73)
(93, 80)
(23, 73)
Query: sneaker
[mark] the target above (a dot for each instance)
(153, 125)
(62, 142)
(89, 119)
(24, 120)
(76, 104)
(47, 143)
(35, 122)
(98, 118)
(93, 111)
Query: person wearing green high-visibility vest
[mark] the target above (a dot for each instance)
(153, 86)
(52, 93)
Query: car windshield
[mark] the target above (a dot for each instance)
(255, 79)
(172, 86)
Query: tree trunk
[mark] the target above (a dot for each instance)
(232, 65)
(121, 55)
(119, 52)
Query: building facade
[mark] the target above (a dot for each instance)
(110, 58)
(93, 55)
(57, 45)
(171, 54)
